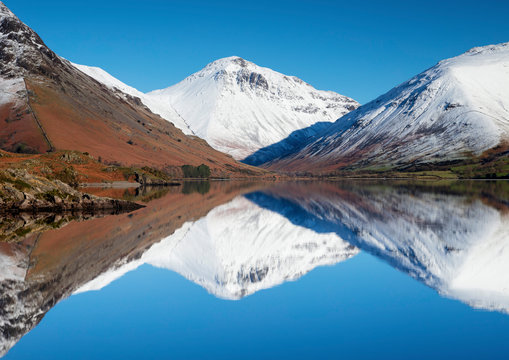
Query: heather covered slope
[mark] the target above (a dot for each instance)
(48, 104)
(456, 110)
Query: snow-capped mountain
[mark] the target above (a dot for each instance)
(455, 109)
(237, 106)
(456, 244)
(238, 249)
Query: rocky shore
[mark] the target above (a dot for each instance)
(24, 192)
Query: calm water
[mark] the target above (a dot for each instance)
(356, 270)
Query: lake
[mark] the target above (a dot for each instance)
(243, 270)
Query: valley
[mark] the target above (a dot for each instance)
(240, 121)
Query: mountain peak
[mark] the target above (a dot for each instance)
(229, 65)
(239, 107)
(477, 56)
(234, 71)
(22, 51)
(5, 12)
(235, 61)
(11, 28)
(488, 49)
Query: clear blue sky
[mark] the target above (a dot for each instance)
(358, 48)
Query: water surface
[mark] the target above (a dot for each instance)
(267, 270)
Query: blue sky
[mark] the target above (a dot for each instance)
(357, 48)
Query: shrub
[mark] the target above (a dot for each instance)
(155, 172)
(21, 185)
(67, 175)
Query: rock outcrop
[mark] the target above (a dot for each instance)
(23, 192)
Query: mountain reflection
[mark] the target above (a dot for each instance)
(235, 239)
(238, 249)
(452, 237)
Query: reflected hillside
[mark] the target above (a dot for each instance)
(17, 227)
(453, 237)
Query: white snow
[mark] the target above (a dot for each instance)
(13, 265)
(12, 91)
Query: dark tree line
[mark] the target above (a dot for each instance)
(190, 171)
